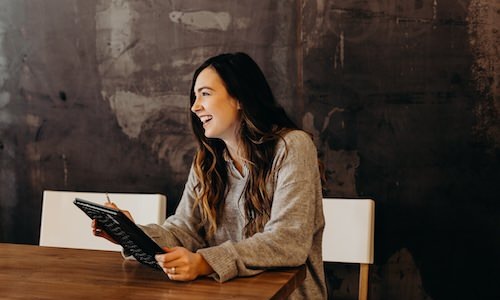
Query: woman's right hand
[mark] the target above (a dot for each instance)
(97, 231)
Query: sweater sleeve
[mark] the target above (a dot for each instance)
(287, 237)
(184, 227)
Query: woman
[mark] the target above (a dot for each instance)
(253, 198)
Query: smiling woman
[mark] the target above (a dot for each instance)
(253, 199)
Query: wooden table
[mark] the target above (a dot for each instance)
(34, 272)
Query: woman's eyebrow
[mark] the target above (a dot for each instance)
(204, 87)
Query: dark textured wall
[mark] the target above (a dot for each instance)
(402, 98)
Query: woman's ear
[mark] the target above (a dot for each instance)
(238, 105)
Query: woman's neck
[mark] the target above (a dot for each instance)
(236, 153)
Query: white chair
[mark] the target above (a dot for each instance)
(349, 235)
(65, 225)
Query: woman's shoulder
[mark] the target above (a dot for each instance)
(296, 140)
(295, 151)
(297, 136)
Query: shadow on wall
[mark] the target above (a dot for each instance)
(399, 278)
(336, 150)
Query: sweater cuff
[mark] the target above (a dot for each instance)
(222, 259)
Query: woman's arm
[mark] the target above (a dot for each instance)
(184, 228)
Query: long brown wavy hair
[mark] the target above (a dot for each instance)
(263, 123)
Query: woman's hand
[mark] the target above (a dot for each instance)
(125, 212)
(183, 265)
(97, 231)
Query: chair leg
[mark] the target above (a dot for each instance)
(363, 281)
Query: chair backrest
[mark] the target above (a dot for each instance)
(348, 236)
(65, 225)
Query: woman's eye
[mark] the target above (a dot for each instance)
(205, 93)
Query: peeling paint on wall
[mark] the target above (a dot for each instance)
(4, 75)
(8, 180)
(114, 22)
(339, 52)
(203, 20)
(132, 110)
(5, 116)
(380, 17)
(484, 30)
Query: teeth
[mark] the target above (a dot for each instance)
(205, 119)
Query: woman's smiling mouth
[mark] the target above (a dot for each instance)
(205, 119)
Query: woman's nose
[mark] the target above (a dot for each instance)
(196, 106)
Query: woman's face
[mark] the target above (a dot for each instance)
(219, 113)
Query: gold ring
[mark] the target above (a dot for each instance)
(173, 270)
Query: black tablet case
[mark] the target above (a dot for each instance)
(125, 232)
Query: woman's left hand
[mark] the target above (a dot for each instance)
(181, 264)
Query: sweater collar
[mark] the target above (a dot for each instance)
(232, 168)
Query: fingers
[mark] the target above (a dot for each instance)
(178, 264)
(168, 249)
(169, 262)
(111, 205)
(125, 212)
(97, 231)
(178, 274)
(172, 271)
(171, 255)
(177, 277)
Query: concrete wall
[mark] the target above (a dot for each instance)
(401, 96)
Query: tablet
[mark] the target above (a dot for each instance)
(125, 232)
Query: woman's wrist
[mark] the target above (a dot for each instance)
(204, 267)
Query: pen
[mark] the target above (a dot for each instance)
(107, 198)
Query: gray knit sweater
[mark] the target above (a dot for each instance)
(292, 236)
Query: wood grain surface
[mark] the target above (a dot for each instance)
(34, 272)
